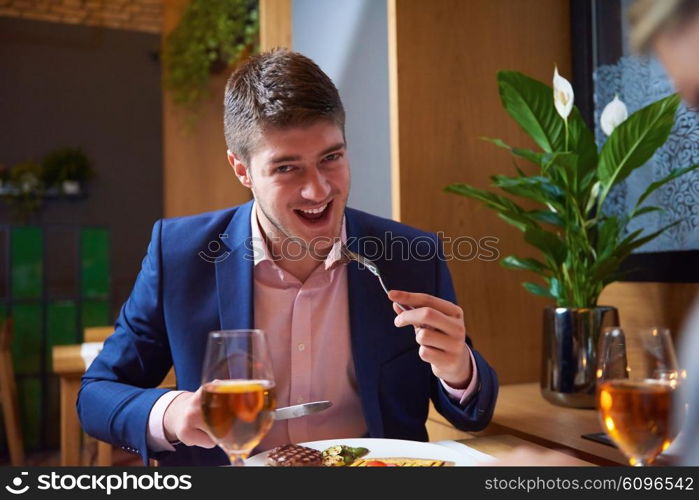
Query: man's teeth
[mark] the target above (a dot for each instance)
(315, 210)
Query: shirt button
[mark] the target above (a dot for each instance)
(301, 347)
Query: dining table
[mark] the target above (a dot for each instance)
(520, 419)
(522, 412)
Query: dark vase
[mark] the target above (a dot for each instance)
(569, 360)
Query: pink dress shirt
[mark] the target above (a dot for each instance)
(308, 330)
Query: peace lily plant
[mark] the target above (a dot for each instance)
(581, 246)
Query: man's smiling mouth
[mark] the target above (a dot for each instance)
(314, 215)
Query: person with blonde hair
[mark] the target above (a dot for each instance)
(670, 30)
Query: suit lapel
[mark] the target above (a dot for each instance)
(234, 278)
(366, 350)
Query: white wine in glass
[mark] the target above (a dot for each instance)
(637, 379)
(238, 399)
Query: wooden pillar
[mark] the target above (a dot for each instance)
(444, 57)
(275, 24)
(196, 173)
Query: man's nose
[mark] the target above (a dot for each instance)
(316, 186)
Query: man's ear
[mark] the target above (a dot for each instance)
(242, 172)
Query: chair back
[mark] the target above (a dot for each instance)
(8, 395)
(6, 335)
(97, 333)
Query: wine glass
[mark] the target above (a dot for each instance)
(637, 378)
(238, 399)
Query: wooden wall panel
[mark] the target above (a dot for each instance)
(643, 305)
(196, 171)
(275, 24)
(444, 58)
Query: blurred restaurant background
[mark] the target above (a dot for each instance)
(84, 79)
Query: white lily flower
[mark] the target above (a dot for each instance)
(613, 115)
(562, 95)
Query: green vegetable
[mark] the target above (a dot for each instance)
(357, 452)
(347, 453)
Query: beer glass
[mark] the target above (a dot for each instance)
(637, 379)
(238, 399)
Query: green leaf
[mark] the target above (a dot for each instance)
(546, 216)
(493, 200)
(602, 269)
(581, 140)
(562, 168)
(634, 141)
(588, 180)
(658, 184)
(530, 103)
(517, 220)
(537, 290)
(548, 243)
(620, 249)
(519, 171)
(527, 154)
(646, 210)
(536, 188)
(636, 243)
(556, 289)
(507, 210)
(608, 235)
(524, 264)
(592, 197)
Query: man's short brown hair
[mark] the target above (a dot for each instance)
(276, 89)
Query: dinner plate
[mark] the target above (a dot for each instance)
(386, 448)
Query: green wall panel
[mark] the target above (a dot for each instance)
(44, 318)
(29, 393)
(61, 327)
(52, 394)
(94, 262)
(26, 263)
(26, 345)
(96, 313)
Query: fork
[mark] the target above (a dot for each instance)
(348, 255)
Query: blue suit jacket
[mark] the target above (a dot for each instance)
(180, 295)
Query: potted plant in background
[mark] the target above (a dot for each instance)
(67, 170)
(581, 247)
(25, 190)
(211, 35)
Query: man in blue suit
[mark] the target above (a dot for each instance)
(284, 125)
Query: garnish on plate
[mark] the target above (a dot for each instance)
(341, 455)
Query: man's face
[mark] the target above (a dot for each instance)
(300, 179)
(679, 52)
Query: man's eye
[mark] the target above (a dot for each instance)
(333, 157)
(284, 169)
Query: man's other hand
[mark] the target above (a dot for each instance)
(183, 421)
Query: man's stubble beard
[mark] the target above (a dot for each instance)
(286, 233)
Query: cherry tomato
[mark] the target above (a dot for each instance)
(375, 463)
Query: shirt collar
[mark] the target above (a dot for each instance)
(261, 252)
